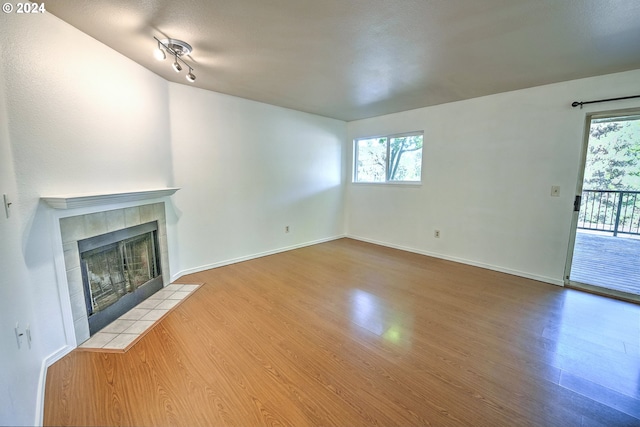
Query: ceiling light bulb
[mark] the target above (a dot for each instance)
(177, 66)
(159, 54)
(191, 77)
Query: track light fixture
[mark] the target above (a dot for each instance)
(177, 48)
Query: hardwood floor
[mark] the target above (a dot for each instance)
(349, 333)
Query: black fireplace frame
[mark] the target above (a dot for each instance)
(100, 319)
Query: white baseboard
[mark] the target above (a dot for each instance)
(48, 361)
(550, 280)
(252, 256)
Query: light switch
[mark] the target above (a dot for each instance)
(555, 191)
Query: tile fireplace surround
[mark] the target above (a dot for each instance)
(75, 228)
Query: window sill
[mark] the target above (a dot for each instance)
(389, 183)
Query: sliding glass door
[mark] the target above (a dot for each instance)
(604, 255)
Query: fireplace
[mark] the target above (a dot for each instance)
(119, 270)
(77, 234)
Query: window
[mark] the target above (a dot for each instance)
(393, 158)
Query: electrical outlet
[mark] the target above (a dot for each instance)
(436, 234)
(286, 228)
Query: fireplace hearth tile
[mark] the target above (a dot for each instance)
(139, 326)
(167, 304)
(154, 314)
(121, 341)
(107, 340)
(149, 304)
(99, 340)
(118, 326)
(179, 295)
(135, 314)
(163, 294)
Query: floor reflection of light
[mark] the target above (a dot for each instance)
(393, 334)
(393, 325)
(587, 343)
(366, 311)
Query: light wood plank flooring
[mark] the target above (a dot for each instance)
(347, 333)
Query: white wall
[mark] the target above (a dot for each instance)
(81, 121)
(489, 164)
(247, 170)
(19, 368)
(76, 117)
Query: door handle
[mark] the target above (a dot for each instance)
(576, 204)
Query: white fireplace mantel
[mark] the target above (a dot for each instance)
(86, 200)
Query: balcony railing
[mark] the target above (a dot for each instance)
(613, 211)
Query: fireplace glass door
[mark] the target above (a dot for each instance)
(106, 277)
(118, 269)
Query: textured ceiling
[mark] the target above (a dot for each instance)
(352, 59)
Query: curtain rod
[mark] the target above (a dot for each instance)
(576, 103)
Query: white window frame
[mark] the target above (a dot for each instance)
(354, 164)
